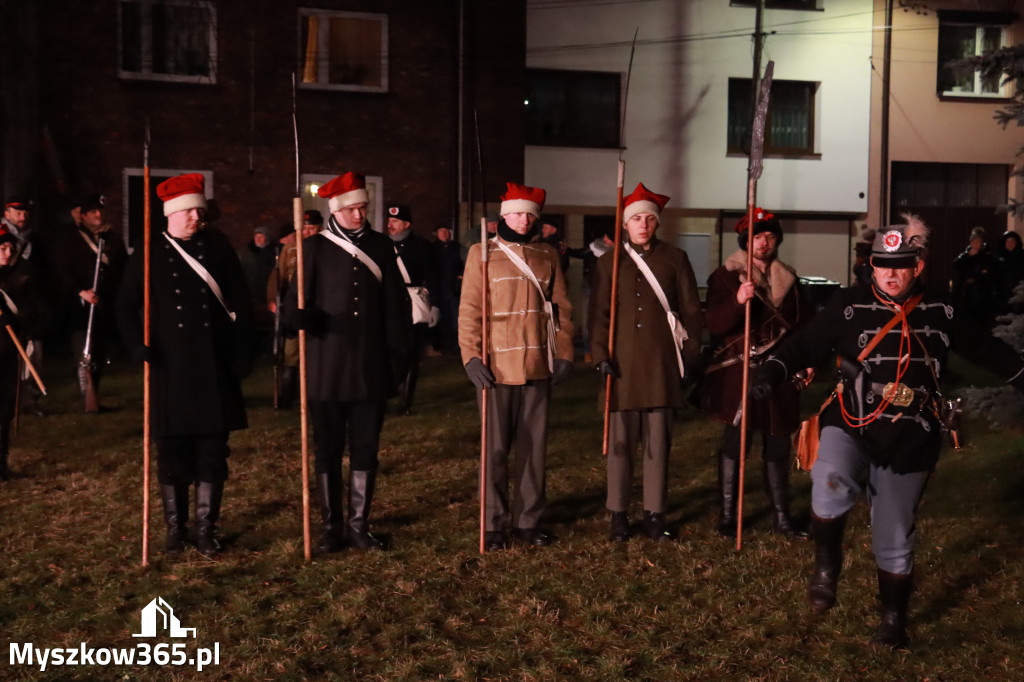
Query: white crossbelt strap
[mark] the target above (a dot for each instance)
(94, 247)
(548, 308)
(679, 334)
(356, 252)
(203, 273)
(10, 304)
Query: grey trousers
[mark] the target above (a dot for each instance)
(626, 430)
(517, 416)
(836, 483)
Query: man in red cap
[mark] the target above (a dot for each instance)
(358, 341)
(201, 345)
(657, 335)
(776, 310)
(529, 352)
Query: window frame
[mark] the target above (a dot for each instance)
(979, 22)
(812, 151)
(146, 43)
(321, 82)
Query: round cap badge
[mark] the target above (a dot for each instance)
(891, 240)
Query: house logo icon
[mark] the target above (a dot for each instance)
(159, 616)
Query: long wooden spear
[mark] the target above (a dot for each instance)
(301, 296)
(484, 336)
(756, 166)
(615, 258)
(146, 227)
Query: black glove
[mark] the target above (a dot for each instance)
(606, 368)
(563, 368)
(765, 378)
(479, 374)
(300, 319)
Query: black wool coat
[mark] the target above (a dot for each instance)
(19, 284)
(358, 329)
(198, 355)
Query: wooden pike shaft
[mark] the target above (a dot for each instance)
(297, 214)
(751, 190)
(484, 341)
(614, 306)
(147, 219)
(24, 357)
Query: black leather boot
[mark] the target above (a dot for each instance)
(728, 484)
(175, 498)
(287, 387)
(5, 446)
(776, 482)
(619, 531)
(360, 496)
(893, 597)
(828, 561)
(208, 497)
(328, 487)
(654, 526)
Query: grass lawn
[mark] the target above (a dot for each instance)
(433, 608)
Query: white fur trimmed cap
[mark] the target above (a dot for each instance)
(182, 193)
(522, 199)
(345, 190)
(642, 200)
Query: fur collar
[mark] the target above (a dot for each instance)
(777, 283)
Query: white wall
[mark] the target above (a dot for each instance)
(676, 120)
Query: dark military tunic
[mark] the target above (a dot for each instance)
(198, 354)
(18, 283)
(359, 330)
(905, 439)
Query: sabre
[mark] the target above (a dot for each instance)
(756, 166)
(615, 256)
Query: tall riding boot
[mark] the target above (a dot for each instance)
(893, 596)
(286, 390)
(360, 496)
(175, 499)
(208, 497)
(776, 482)
(728, 483)
(828, 561)
(328, 487)
(5, 446)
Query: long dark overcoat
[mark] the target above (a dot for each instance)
(644, 348)
(359, 329)
(198, 354)
(18, 282)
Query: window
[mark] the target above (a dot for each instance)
(791, 113)
(172, 40)
(343, 50)
(780, 4)
(963, 35)
(573, 108)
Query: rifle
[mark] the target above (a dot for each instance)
(756, 166)
(87, 366)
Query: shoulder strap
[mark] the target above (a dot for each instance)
(548, 308)
(679, 333)
(401, 268)
(203, 273)
(95, 248)
(356, 252)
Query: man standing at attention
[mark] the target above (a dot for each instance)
(201, 347)
(529, 351)
(358, 341)
(658, 330)
(776, 310)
